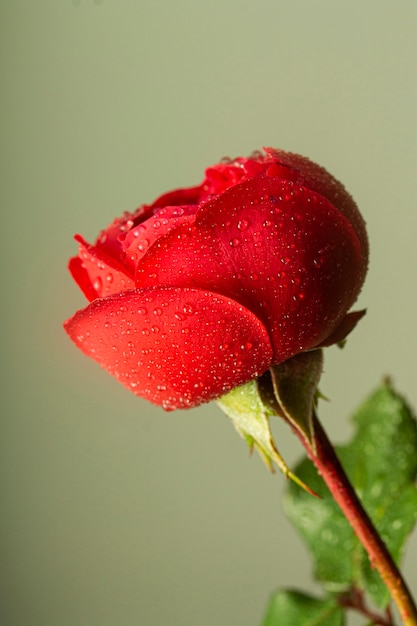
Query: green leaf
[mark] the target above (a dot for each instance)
(324, 529)
(297, 609)
(381, 462)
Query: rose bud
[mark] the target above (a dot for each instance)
(209, 286)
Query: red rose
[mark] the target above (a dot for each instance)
(209, 286)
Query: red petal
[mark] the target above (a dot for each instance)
(140, 238)
(283, 251)
(174, 347)
(179, 197)
(319, 179)
(96, 274)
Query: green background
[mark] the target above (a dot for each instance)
(114, 513)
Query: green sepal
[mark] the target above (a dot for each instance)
(293, 608)
(294, 385)
(250, 416)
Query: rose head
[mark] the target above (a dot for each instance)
(209, 286)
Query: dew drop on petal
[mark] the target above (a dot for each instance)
(188, 308)
(242, 225)
(98, 285)
(143, 245)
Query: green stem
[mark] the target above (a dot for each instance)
(332, 472)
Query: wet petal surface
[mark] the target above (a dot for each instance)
(283, 251)
(97, 274)
(175, 347)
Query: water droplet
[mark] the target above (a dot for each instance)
(156, 224)
(126, 226)
(157, 311)
(143, 245)
(109, 278)
(234, 242)
(142, 311)
(145, 331)
(98, 285)
(180, 316)
(376, 489)
(254, 277)
(242, 225)
(327, 535)
(155, 329)
(188, 308)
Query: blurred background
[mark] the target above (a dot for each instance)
(114, 512)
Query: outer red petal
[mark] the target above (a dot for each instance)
(174, 347)
(283, 251)
(319, 179)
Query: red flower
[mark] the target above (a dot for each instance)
(207, 287)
